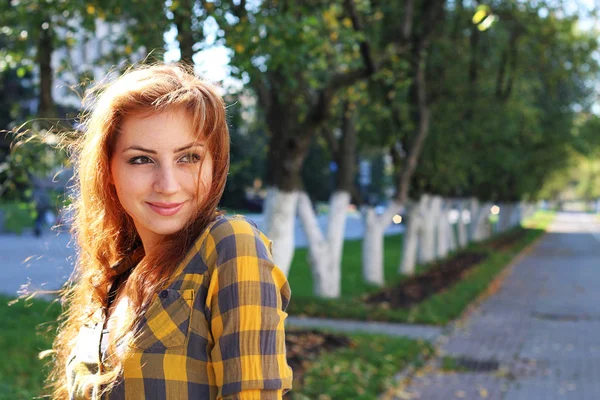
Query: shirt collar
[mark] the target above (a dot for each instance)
(128, 262)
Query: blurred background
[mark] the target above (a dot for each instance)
(399, 154)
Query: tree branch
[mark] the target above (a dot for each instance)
(240, 9)
(365, 49)
(331, 142)
(423, 131)
(409, 7)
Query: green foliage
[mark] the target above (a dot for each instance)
(505, 104)
(248, 152)
(284, 46)
(17, 216)
(362, 371)
(32, 154)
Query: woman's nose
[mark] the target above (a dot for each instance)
(166, 181)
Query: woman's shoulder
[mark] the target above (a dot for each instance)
(236, 232)
(226, 226)
(230, 236)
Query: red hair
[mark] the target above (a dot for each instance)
(105, 233)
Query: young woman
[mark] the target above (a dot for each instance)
(170, 300)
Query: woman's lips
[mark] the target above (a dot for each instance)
(166, 209)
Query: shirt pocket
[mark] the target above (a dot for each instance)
(167, 321)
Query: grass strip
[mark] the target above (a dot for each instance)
(27, 328)
(301, 281)
(361, 371)
(440, 308)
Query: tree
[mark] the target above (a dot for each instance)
(418, 27)
(278, 48)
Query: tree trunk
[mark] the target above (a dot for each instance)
(427, 250)
(463, 238)
(45, 48)
(411, 237)
(372, 248)
(514, 218)
(372, 244)
(182, 17)
(279, 222)
(336, 228)
(474, 209)
(325, 253)
(442, 230)
(482, 223)
(504, 218)
(452, 245)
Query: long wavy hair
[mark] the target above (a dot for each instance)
(105, 233)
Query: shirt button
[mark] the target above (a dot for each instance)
(164, 294)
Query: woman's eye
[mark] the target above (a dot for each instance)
(190, 158)
(140, 160)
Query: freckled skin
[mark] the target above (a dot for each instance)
(165, 176)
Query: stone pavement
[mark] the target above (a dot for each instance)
(538, 336)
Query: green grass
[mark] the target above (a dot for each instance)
(353, 284)
(23, 334)
(360, 372)
(439, 309)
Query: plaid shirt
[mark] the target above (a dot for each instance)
(216, 331)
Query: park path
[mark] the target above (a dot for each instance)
(538, 336)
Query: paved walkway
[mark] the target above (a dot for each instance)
(538, 337)
(41, 263)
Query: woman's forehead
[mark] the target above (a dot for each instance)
(169, 129)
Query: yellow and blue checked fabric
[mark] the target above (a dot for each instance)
(217, 330)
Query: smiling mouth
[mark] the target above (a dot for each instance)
(166, 209)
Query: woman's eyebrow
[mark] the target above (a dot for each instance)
(194, 144)
(188, 146)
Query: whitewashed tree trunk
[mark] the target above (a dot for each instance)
(485, 227)
(482, 223)
(452, 241)
(531, 210)
(411, 238)
(427, 248)
(325, 253)
(518, 214)
(501, 222)
(336, 227)
(268, 207)
(463, 238)
(279, 221)
(442, 230)
(510, 218)
(372, 244)
(474, 209)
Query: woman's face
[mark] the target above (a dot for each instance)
(156, 168)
